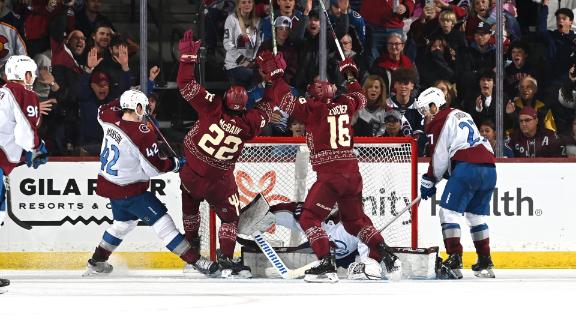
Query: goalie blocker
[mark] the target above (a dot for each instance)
(420, 263)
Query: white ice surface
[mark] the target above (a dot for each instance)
(167, 296)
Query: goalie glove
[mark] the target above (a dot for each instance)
(188, 48)
(348, 67)
(427, 187)
(271, 66)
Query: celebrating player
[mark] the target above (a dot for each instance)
(128, 159)
(329, 138)
(19, 121)
(460, 153)
(212, 147)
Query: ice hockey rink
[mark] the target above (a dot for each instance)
(163, 296)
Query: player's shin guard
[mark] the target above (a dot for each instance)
(191, 226)
(317, 237)
(451, 234)
(372, 238)
(227, 238)
(174, 241)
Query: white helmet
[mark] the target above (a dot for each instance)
(17, 66)
(130, 99)
(429, 96)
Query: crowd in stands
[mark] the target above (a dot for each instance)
(399, 46)
(404, 46)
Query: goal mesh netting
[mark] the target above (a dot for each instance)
(280, 170)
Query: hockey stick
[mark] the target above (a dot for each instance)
(153, 122)
(273, 257)
(274, 46)
(400, 213)
(332, 30)
(9, 211)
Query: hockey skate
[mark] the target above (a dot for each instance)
(97, 268)
(204, 266)
(451, 268)
(325, 271)
(233, 268)
(4, 283)
(392, 266)
(484, 267)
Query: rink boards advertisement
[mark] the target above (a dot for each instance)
(531, 209)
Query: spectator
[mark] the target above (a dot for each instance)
(101, 38)
(481, 57)
(488, 130)
(112, 64)
(355, 26)
(481, 12)
(370, 121)
(95, 90)
(297, 128)
(533, 140)
(564, 110)
(285, 45)
(309, 53)
(459, 7)
(519, 68)
(527, 89)
(569, 140)
(334, 58)
(12, 37)
(89, 18)
(393, 122)
(455, 38)
(450, 92)
(392, 59)
(482, 105)
(383, 18)
(241, 42)
(559, 43)
(422, 28)
(439, 61)
(299, 18)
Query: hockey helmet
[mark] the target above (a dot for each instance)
(321, 90)
(18, 65)
(430, 96)
(236, 98)
(130, 99)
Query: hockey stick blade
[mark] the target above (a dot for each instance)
(400, 213)
(275, 260)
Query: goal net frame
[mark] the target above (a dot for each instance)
(209, 224)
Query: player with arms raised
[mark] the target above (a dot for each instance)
(329, 138)
(212, 147)
(460, 153)
(19, 121)
(129, 157)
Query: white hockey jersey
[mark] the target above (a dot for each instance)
(19, 120)
(453, 136)
(129, 155)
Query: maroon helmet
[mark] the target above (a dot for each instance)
(321, 90)
(236, 98)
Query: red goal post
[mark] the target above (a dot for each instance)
(268, 164)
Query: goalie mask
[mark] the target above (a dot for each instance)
(428, 97)
(321, 90)
(130, 99)
(236, 98)
(18, 66)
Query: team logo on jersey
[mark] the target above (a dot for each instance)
(144, 128)
(248, 189)
(3, 47)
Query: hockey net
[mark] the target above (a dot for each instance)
(280, 170)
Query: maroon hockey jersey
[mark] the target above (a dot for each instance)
(328, 127)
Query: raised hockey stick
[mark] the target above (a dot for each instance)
(164, 140)
(274, 46)
(278, 264)
(332, 30)
(400, 213)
